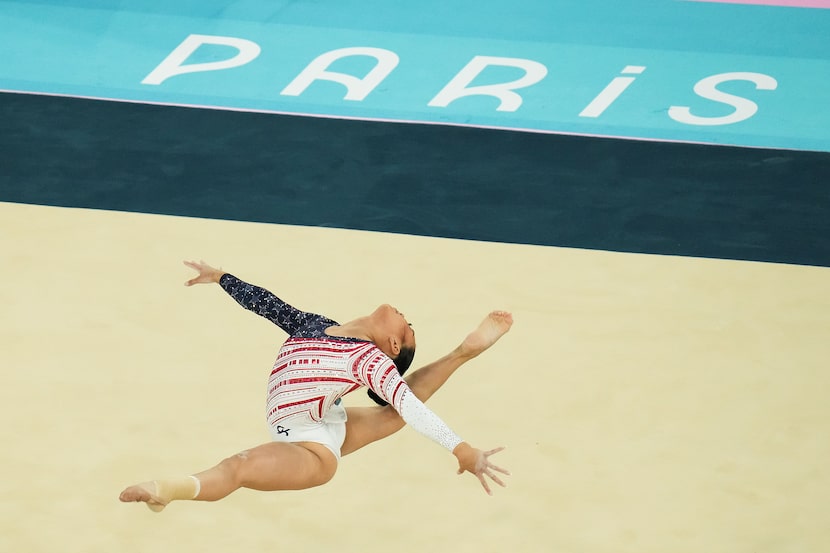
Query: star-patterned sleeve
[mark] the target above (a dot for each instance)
(264, 303)
(380, 374)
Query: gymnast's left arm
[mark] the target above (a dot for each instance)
(470, 459)
(393, 389)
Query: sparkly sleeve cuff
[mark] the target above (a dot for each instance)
(422, 419)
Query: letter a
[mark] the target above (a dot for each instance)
(356, 89)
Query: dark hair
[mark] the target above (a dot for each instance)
(402, 362)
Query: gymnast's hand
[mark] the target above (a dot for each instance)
(477, 462)
(207, 274)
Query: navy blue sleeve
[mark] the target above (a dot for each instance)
(264, 303)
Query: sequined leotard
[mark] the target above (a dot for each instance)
(314, 370)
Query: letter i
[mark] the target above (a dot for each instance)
(611, 92)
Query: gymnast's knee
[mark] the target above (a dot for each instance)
(232, 466)
(323, 477)
(326, 466)
(325, 473)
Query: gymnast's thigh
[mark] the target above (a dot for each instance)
(286, 466)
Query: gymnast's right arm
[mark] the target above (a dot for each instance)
(254, 298)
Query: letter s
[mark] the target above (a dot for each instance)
(707, 88)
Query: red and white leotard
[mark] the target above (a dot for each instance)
(314, 370)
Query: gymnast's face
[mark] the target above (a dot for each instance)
(396, 326)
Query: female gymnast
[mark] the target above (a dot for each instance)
(320, 362)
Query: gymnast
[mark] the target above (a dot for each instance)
(318, 364)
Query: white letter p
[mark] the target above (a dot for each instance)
(172, 64)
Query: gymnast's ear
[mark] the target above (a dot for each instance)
(394, 346)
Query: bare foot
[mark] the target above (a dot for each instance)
(494, 326)
(144, 492)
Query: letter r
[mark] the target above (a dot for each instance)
(508, 100)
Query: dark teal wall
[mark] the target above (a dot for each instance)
(467, 183)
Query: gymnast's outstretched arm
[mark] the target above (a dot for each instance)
(253, 298)
(370, 424)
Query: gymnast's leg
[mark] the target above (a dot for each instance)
(292, 466)
(269, 467)
(370, 424)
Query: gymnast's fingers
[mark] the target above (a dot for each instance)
(499, 469)
(495, 478)
(484, 484)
